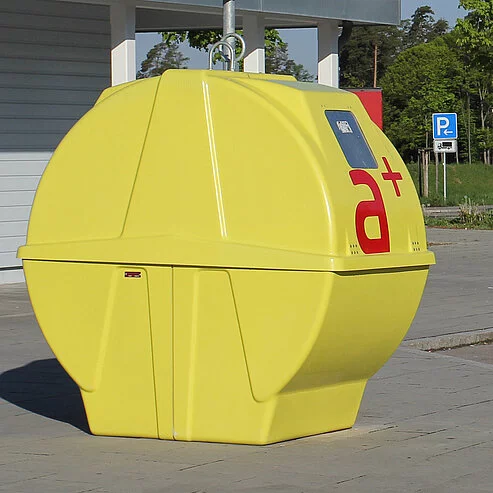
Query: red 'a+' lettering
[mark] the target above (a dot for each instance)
(392, 176)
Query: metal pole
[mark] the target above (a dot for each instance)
(445, 177)
(426, 187)
(375, 65)
(437, 167)
(229, 23)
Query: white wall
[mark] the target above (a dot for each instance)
(54, 62)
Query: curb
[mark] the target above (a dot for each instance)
(452, 212)
(449, 341)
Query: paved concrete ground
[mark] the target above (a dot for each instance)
(478, 352)
(425, 423)
(459, 293)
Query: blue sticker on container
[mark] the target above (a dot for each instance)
(351, 139)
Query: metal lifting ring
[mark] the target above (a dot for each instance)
(242, 42)
(214, 47)
(232, 56)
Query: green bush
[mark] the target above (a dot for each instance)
(471, 216)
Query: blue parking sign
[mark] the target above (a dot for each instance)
(444, 126)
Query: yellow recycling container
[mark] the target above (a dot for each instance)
(225, 257)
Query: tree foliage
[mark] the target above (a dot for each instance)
(160, 58)
(423, 28)
(474, 37)
(424, 79)
(277, 60)
(201, 40)
(357, 57)
(476, 29)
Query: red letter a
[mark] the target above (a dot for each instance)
(371, 208)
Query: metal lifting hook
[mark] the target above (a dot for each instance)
(231, 59)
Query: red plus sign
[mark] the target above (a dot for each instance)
(392, 176)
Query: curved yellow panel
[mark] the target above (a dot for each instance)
(271, 193)
(212, 395)
(366, 318)
(71, 303)
(124, 400)
(96, 319)
(280, 315)
(85, 190)
(175, 191)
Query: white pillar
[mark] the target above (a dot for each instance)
(254, 34)
(328, 53)
(122, 16)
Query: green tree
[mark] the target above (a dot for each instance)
(367, 44)
(423, 28)
(201, 40)
(277, 60)
(371, 50)
(477, 104)
(474, 36)
(475, 31)
(423, 80)
(160, 58)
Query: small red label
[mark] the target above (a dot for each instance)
(133, 274)
(371, 208)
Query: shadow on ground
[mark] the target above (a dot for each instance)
(44, 387)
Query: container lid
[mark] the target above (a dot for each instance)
(233, 170)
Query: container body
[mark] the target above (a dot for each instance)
(228, 355)
(210, 276)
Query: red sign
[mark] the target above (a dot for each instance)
(372, 101)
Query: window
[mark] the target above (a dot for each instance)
(351, 139)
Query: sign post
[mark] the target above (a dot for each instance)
(445, 176)
(445, 139)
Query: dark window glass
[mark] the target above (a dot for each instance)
(351, 139)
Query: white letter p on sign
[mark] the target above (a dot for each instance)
(442, 124)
